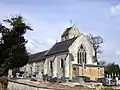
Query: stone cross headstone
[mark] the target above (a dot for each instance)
(116, 80)
(107, 75)
(109, 79)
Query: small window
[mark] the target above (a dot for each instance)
(31, 69)
(51, 65)
(62, 63)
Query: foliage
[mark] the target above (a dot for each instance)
(96, 42)
(13, 52)
(4, 81)
(102, 62)
(112, 68)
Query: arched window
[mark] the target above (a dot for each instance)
(51, 65)
(62, 63)
(82, 55)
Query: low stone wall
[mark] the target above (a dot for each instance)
(31, 85)
(19, 85)
(13, 85)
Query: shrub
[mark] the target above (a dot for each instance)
(4, 81)
(45, 77)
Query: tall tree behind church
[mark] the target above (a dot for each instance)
(96, 42)
(13, 53)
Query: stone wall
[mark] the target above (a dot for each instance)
(13, 85)
(29, 67)
(73, 49)
(56, 62)
(92, 72)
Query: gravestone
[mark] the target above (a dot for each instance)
(10, 73)
(116, 80)
(17, 75)
(39, 77)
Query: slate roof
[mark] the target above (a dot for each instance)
(37, 56)
(61, 46)
(66, 32)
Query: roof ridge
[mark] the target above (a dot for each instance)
(38, 52)
(60, 46)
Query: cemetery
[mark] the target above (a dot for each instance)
(44, 81)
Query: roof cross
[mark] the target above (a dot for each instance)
(70, 22)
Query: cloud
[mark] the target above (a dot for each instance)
(115, 10)
(118, 52)
(34, 46)
(50, 41)
(45, 29)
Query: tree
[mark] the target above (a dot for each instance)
(102, 62)
(13, 53)
(112, 68)
(96, 42)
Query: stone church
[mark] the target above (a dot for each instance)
(72, 56)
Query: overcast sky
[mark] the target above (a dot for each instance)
(49, 18)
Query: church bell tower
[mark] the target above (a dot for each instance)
(70, 32)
